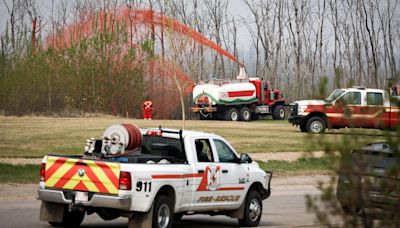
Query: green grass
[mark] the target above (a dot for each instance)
(19, 173)
(38, 136)
(301, 166)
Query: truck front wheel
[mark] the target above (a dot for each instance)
(316, 125)
(232, 114)
(278, 113)
(245, 114)
(163, 212)
(253, 210)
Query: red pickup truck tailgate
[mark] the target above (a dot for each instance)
(82, 175)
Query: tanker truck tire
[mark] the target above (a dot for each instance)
(232, 114)
(278, 113)
(245, 114)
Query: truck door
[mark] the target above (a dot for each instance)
(206, 175)
(234, 176)
(374, 112)
(348, 110)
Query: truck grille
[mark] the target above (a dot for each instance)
(293, 110)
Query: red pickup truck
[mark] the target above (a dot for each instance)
(351, 107)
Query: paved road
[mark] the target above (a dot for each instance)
(285, 208)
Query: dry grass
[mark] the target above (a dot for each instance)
(37, 136)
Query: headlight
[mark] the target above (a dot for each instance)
(301, 109)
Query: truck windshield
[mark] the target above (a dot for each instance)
(334, 95)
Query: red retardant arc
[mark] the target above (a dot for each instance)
(96, 22)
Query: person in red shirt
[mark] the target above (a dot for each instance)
(147, 110)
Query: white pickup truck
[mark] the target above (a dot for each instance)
(153, 177)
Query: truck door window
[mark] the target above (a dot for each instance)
(374, 99)
(203, 150)
(351, 98)
(225, 154)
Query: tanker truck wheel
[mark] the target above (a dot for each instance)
(245, 114)
(232, 114)
(278, 113)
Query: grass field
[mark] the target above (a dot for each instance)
(19, 173)
(303, 166)
(37, 136)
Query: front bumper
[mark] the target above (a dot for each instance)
(297, 120)
(267, 192)
(96, 200)
(204, 109)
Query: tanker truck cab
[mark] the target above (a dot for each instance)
(170, 174)
(352, 107)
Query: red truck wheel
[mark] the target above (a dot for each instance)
(316, 125)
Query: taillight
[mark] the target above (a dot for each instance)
(42, 171)
(125, 182)
(154, 133)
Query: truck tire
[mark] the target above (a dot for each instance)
(278, 113)
(204, 117)
(163, 212)
(252, 210)
(178, 216)
(245, 114)
(232, 114)
(316, 125)
(70, 218)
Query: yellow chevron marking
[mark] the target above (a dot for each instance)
(103, 177)
(50, 162)
(114, 168)
(86, 181)
(60, 172)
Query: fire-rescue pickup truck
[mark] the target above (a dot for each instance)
(153, 177)
(353, 107)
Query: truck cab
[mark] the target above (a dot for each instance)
(351, 107)
(173, 173)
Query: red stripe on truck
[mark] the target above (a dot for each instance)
(177, 176)
(241, 93)
(231, 189)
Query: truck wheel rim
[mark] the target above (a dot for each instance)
(316, 126)
(282, 113)
(254, 210)
(246, 115)
(164, 215)
(234, 116)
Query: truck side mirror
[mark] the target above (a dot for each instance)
(245, 158)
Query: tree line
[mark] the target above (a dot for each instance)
(304, 48)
